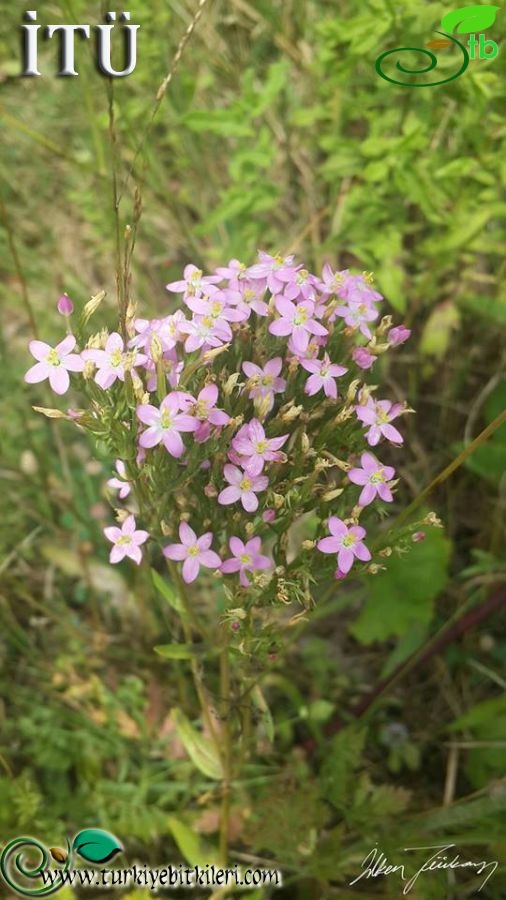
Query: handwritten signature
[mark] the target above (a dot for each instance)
(376, 863)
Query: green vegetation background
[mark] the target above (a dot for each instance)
(275, 133)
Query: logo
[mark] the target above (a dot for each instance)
(467, 20)
(19, 868)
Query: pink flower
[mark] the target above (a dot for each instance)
(165, 425)
(65, 306)
(301, 285)
(297, 321)
(127, 541)
(332, 281)
(110, 362)
(235, 272)
(363, 358)
(120, 484)
(167, 330)
(346, 542)
(194, 551)
(204, 331)
(255, 448)
(357, 289)
(207, 413)
(252, 294)
(266, 381)
(193, 282)
(243, 487)
(357, 314)
(218, 306)
(274, 269)
(374, 476)
(398, 335)
(246, 558)
(378, 415)
(324, 373)
(54, 364)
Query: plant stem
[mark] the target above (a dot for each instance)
(226, 753)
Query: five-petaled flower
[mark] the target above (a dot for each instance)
(165, 425)
(265, 382)
(323, 374)
(255, 448)
(126, 540)
(193, 552)
(246, 557)
(112, 361)
(378, 414)
(243, 487)
(346, 542)
(298, 321)
(54, 363)
(374, 477)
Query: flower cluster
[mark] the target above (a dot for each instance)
(235, 415)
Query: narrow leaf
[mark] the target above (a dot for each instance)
(199, 748)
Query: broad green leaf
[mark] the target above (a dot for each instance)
(95, 845)
(469, 19)
(175, 651)
(167, 591)
(200, 749)
(404, 595)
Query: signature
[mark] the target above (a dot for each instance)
(376, 863)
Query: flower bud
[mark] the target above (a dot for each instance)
(398, 335)
(156, 349)
(65, 306)
(231, 383)
(432, 519)
(269, 515)
(387, 551)
(418, 536)
(210, 491)
(308, 545)
(363, 358)
(305, 442)
(384, 325)
(92, 305)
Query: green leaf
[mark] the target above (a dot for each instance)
(167, 591)
(469, 19)
(96, 846)
(199, 748)
(175, 651)
(404, 594)
(188, 842)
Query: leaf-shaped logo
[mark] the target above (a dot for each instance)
(95, 845)
(469, 19)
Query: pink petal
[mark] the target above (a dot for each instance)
(367, 495)
(209, 394)
(148, 414)
(250, 369)
(140, 537)
(229, 495)
(249, 501)
(392, 434)
(176, 552)
(362, 553)
(210, 559)
(73, 363)
(173, 443)
(232, 474)
(187, 535)
(358, 476)
(231, 565)
(113, 533)
(205, 541)
(345, 560)
(117, 553)
(134, 553)
(39, 350)
(274, 366)
(105, 378)
(38, 372)
(191, 569)
(328, 545)
(236, 546)
(337, 527)
(280, 327)
(66, 346)
(285, 307)
(59, 379)
(151, 437)
(114, 342)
